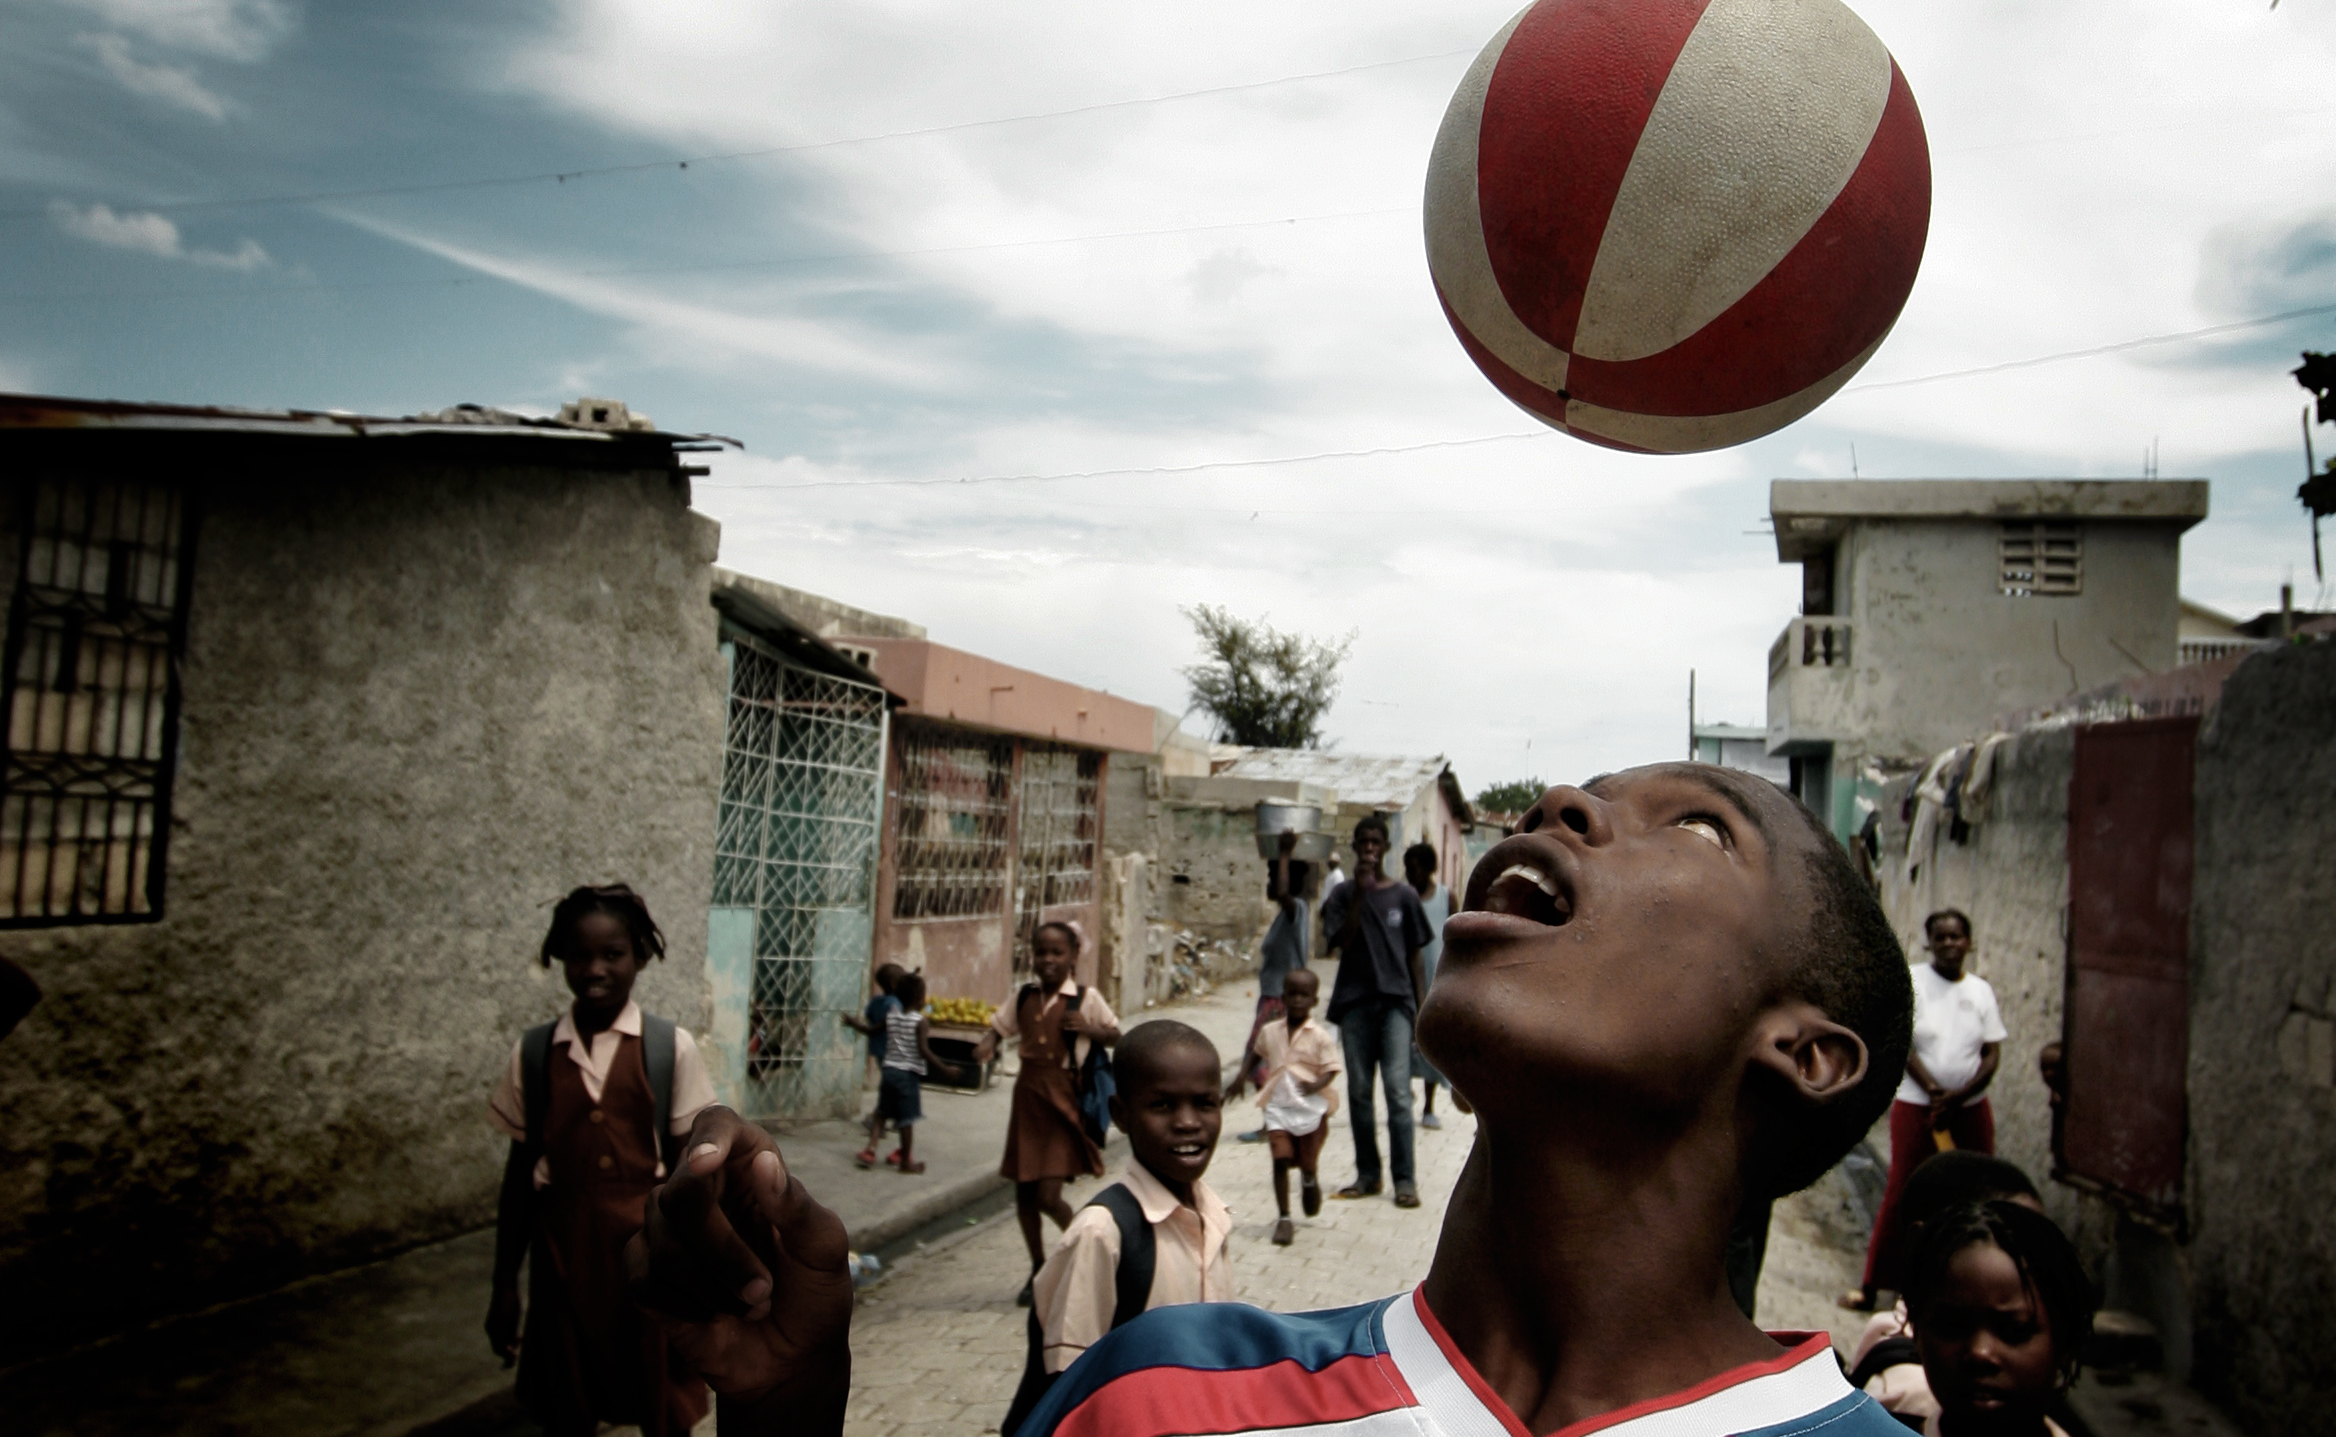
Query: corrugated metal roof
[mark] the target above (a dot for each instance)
(1378, 780)
(42, 411)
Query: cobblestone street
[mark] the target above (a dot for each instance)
(937, 1349)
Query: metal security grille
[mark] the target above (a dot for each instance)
(955, 800)
(802, 797)
(95, 630)
(1060, 814)
(2042, 559)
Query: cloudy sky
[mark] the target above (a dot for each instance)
(1136, 266)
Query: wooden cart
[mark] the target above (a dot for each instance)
(956, 1044)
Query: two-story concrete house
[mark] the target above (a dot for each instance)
(1930, 606)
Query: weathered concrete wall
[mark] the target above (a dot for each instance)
(2262, 1061)
(2012, 878)
(420, 703)
(1937, 651)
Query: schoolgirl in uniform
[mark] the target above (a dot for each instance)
(1046, 1145)
(593, 1105)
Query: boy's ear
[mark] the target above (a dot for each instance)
(1820, 1058)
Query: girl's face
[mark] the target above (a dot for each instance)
(602, 971)
(1050, 954)
(1986, 1342)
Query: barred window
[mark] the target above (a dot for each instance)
(2042, 559)
(955, 793)
(96, 626)
(1059, 791)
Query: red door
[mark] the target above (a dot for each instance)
(2127, 1019)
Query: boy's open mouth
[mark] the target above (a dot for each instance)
(1188, 1151)
(1526, 890)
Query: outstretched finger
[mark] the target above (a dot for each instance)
(697, 1262)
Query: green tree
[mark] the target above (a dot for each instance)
(1515, 796)
(1264, 688)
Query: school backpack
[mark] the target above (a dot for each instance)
(1131, 1285)
(535, 1080)
(1097, 1085)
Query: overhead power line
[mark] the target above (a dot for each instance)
(1154, 470)
(709, 266)
(2119, 347)
(768, 152)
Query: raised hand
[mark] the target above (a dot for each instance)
(750, 1275)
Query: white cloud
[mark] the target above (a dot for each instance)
(146, 232)
(171, 84)
(780, 338)
(238, 30)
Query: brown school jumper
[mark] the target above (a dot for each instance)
(588, 1354)
(1044, 1138)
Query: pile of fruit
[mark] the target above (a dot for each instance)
(960, 1012)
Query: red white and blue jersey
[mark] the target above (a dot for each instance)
(1387, 1369)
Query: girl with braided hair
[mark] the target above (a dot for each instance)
(594, 1105)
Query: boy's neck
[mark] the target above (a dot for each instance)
(1294, 1020)
(1182, 1192)
(1579, 1273)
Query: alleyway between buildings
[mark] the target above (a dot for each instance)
(395, 1350)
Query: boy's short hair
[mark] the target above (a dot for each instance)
(1930, 925)
(888, 976)
(1850, 965)
(1370, 823)
(1422, 854)
(1137, 1058)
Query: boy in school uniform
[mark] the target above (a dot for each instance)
(1156, 1237)
(1668, 992)
(1300, 1064)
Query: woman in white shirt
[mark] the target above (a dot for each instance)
(1958, 1040)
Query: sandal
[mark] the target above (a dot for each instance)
(892, 1159)
(1284, 1233)
(865, 1157)
(1309, 1195)
(1855, 1300)
(1355, 1190)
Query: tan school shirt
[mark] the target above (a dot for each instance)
(1309, 1054)
(693, 1091)
(1093, 1012)
(1075, 1292)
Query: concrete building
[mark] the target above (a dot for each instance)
(1744, 746)
(2148, 874)
(994, 812)
(1928, 606)
(310, 718)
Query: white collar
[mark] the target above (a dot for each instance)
(1797, 1381)
(627, 1022)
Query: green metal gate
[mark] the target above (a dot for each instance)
(795, 855)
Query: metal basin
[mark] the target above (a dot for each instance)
(1275, 818)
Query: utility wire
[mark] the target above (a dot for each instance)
(1154, 470)
(2119, 347)
(1163, 470)
(601, 171)
(779, 262)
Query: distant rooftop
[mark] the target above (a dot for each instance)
(1373, 780)
(600, 421)
(1810, 513)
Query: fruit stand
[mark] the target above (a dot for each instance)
(956, 1027)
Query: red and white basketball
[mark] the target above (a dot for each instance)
(1673, 225)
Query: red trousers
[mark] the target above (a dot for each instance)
(1911, 1141)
